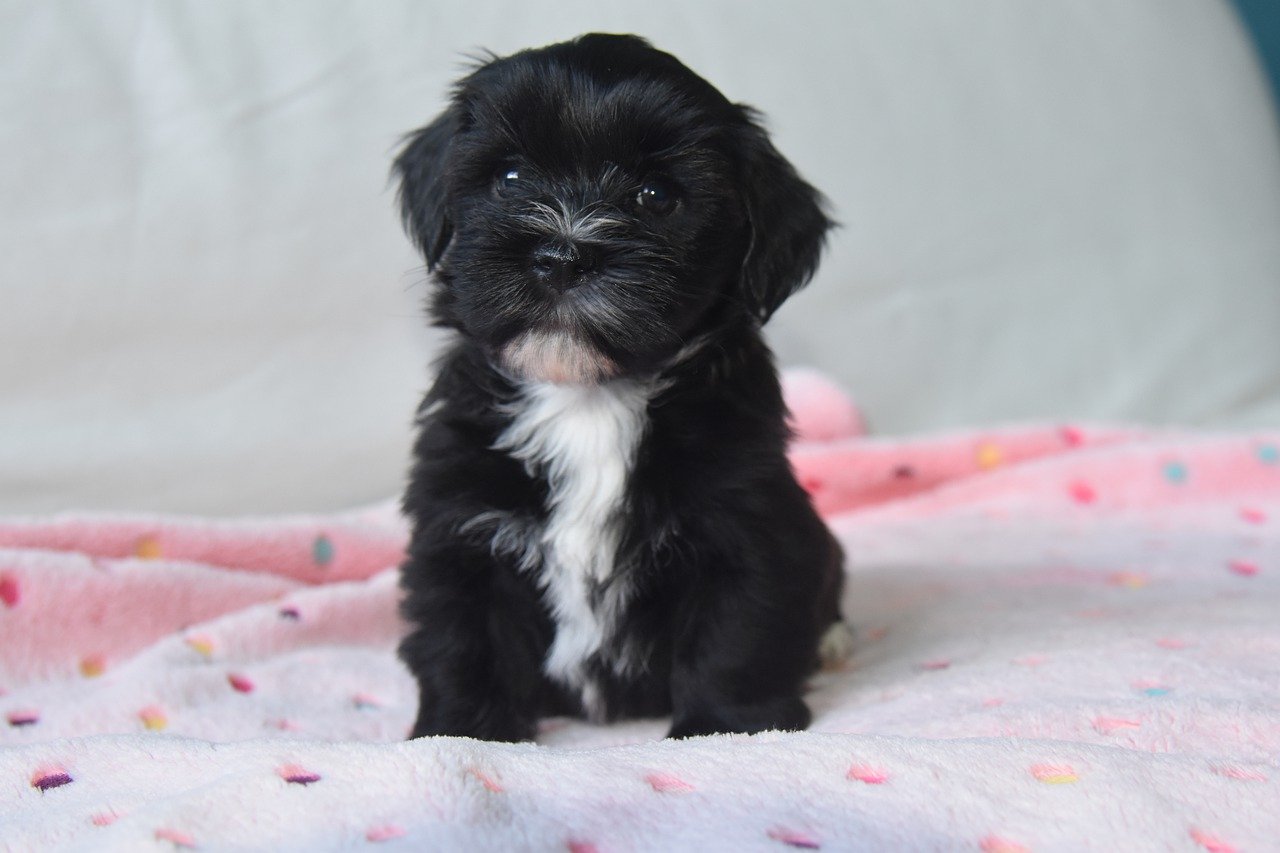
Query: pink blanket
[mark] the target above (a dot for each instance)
(1069, 638)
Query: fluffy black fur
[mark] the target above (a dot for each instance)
(691, 230)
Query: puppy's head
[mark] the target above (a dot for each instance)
(590, 207)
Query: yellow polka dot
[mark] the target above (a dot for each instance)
(989, 456)
(153, 718)
(203, 645)
(147, 548)
(92, 666)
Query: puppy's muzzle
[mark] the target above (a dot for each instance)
(561, 265)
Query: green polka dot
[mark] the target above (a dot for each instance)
(1175, 472)
(322, 550)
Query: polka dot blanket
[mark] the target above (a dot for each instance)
(1068, 639)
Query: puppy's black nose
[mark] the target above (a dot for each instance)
(563, 266)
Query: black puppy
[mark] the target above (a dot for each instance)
(604, 518)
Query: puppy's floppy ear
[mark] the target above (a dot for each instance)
(423, 203)
(786, 221)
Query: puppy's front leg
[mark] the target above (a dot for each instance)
(739, 665)
(475, 648)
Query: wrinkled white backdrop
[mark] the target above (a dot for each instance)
(1050, 210)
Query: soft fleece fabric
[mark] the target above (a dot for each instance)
(1069, 638)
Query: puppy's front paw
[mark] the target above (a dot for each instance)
(783, 714)
(481, 725)
(836, 645)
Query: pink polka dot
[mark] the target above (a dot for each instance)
(1244, 568)
(1082, 493)
(175, 836)
(295, 775)
(104, 818)
(488, 781)
(1110, 725)
(25, 717)
(867, 774)
(792, 838)
(10, 590)
(48, 778)
(665, 783)
(1210, 842)
(996, 844)
(1054, 774)
(1071, 436)
(1253, 515)
(384, 833)
(1241, 773)
(240, 683)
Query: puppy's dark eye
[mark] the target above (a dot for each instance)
(507, 181)
(658, 196)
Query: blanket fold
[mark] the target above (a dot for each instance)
(1068, 638)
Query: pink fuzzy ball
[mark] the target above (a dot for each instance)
(820, 409)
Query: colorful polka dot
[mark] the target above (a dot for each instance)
(1253, 515)
(46, 779)
(104, 818)
(935, 665)
(1269, 454)
(490, 784)
(1241, 773)
(904, 472)
(201, 644)
(10, 590)
(996, 844)
(93, 666)
(867, 774)
(322, 550)
(176, 837)
(989, 456)
(290, 612)
(1082, 493)
(240, 683)
(1210, 842)
(1071, 436)
(1054, 774)
(581, 847)
(18, 719)
(665, 783)
(792, 838)
(1128, 580)
(365, 702)
(295, 775)
(1175, 472)
(154, 718)
(148, 548)
(387, 832)
(1244, 568)
(1111, 725)
(1172, 643)
(1147, 687)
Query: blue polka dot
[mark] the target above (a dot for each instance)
(1175, 472)
(1157, 691)
(322, 550)
(1269, 454)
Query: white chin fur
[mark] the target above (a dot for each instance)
(559, 358)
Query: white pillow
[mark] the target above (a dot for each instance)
(1050, 210)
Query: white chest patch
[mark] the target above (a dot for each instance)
(583, 440)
